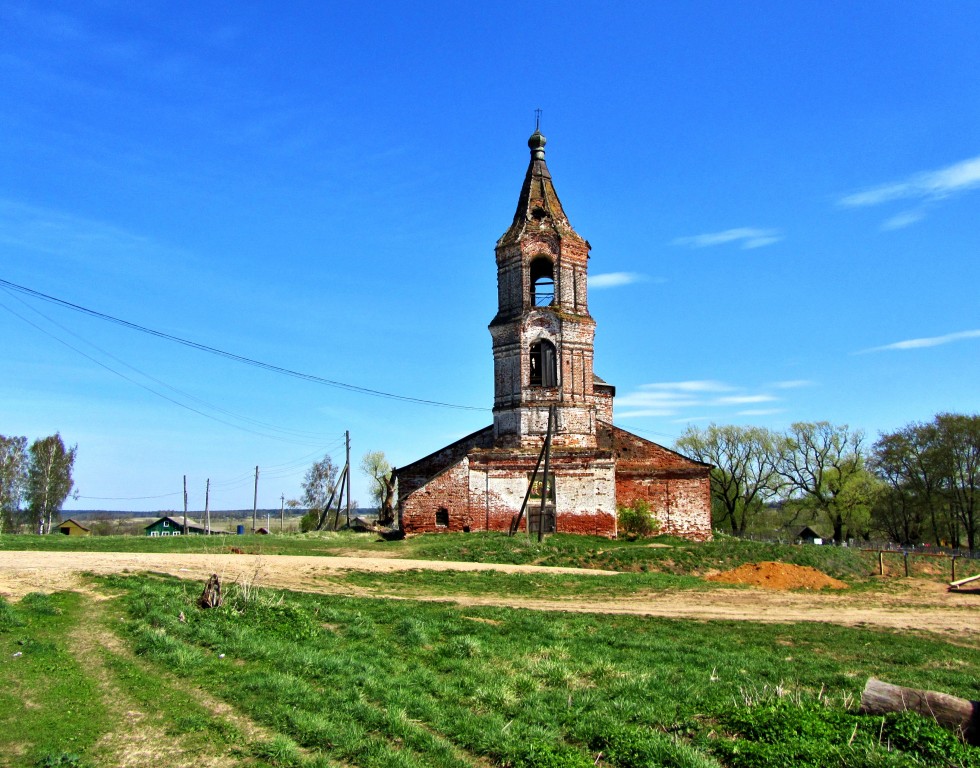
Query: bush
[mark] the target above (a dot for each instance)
(309, 521)
(637, 520)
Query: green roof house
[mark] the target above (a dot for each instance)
(174, 526)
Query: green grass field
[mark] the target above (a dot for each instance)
(131, 666)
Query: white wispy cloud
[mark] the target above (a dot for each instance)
(616, 279)
(703, 385)
(747, 237)
(930, 341)
(674, 398)
(745, 399)
(928, 187)
(904, 219)
(792, 384)
(77, 239)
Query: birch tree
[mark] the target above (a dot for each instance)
(49, 480)
(13, 478)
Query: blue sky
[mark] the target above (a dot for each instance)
(782, 200)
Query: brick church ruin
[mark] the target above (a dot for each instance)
(542, 357)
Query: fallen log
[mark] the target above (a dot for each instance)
(961, 582)
(960, 715)
(211, 596)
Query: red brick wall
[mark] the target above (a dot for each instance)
(677, 488)
(449, 490)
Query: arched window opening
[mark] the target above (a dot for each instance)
(544, 364)
(542, 282)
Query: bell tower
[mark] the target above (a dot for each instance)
(542, 333)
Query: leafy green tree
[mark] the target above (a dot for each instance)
(375, 465)
(959, 457)
(933, 472)
(907, 462)
(13, 478)
(49, 480)
(856, 501)
(746, 469)
(817, 461)
(319, 487)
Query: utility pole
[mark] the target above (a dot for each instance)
(546, 492)
(347, 436)
(207, 507)
(255, 497)
(282, 512)
(185, 505)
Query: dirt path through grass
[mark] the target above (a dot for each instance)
(912, 604)
(142, 736)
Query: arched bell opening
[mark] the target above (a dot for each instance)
(542, 282)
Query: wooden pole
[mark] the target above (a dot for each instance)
(515, 524)
(881, 563)
(255, 498)
(185, 505)
(948, 711)
(207, 507)
(347, 436)
(547, 463)
(906, 553)
(282, 512)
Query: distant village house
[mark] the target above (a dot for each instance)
(174, 526)
(71, 527)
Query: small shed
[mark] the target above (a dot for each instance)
(809, 536)
(174, 526)
(72, 527)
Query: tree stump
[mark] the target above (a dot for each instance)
(960, 715)
(211, 596)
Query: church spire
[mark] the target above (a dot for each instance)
(538, 206)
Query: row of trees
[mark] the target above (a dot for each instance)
(917, 484)
(320, 488)
(34, 481)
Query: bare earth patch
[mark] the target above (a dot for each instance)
(770, 575)
(911, 604)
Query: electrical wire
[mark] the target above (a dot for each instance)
(231, 355)
(148, 388)
(303, 435)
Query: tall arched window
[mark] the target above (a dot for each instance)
(542, 282)
(544, 364)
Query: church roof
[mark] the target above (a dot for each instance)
(538, 206)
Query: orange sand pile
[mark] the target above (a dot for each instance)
(779, 576)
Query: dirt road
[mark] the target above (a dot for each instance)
(913, 605)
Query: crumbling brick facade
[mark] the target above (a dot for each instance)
(543, 354)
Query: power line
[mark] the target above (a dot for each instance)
(148, 388)
(231, 355)
(302, 436)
